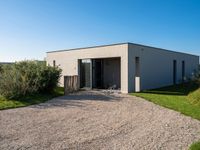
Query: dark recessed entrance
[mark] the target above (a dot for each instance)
(97, 73)
(100, 73)
(85, 73)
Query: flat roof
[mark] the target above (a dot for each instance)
(119, 44)
(86, 47)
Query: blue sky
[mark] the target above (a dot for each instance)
(30, 28)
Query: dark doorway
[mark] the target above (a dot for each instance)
(97, 73)
(102, 73)
(85, 73)
(174, 71)
(111, 73)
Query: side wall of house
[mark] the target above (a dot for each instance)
(68, 60)
(156, 66)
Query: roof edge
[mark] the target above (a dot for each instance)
(80, 48)
(87, 47)
(172, 51)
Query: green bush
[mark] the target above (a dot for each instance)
(27, 77)
(1, 68)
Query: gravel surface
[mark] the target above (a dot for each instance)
(96, 120)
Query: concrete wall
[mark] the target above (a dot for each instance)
(156, 66)
(68, 60)
(111, 72)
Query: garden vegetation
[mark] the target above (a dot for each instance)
(27, 82)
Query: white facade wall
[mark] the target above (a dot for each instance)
(68, 60)
(156, 65)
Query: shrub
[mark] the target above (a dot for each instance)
(1, 69)
(27, 77)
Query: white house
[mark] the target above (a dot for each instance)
(126, 66)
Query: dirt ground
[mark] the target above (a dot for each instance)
(96, 120)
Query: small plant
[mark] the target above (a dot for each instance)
(26, 78)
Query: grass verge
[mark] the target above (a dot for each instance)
(195, 146)
(182, 98)
(29, 100)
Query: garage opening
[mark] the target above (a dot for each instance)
(101, 73)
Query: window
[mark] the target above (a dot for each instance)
(174, 71)
(137, 66)
(183, 71)
(137, 74)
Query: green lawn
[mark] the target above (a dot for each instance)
(195, 146)
(184, 98)
(29, 100)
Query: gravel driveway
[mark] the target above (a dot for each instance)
(96, 120)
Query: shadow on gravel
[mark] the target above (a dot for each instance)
(77, 99)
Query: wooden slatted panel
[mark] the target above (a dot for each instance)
(70, 84)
